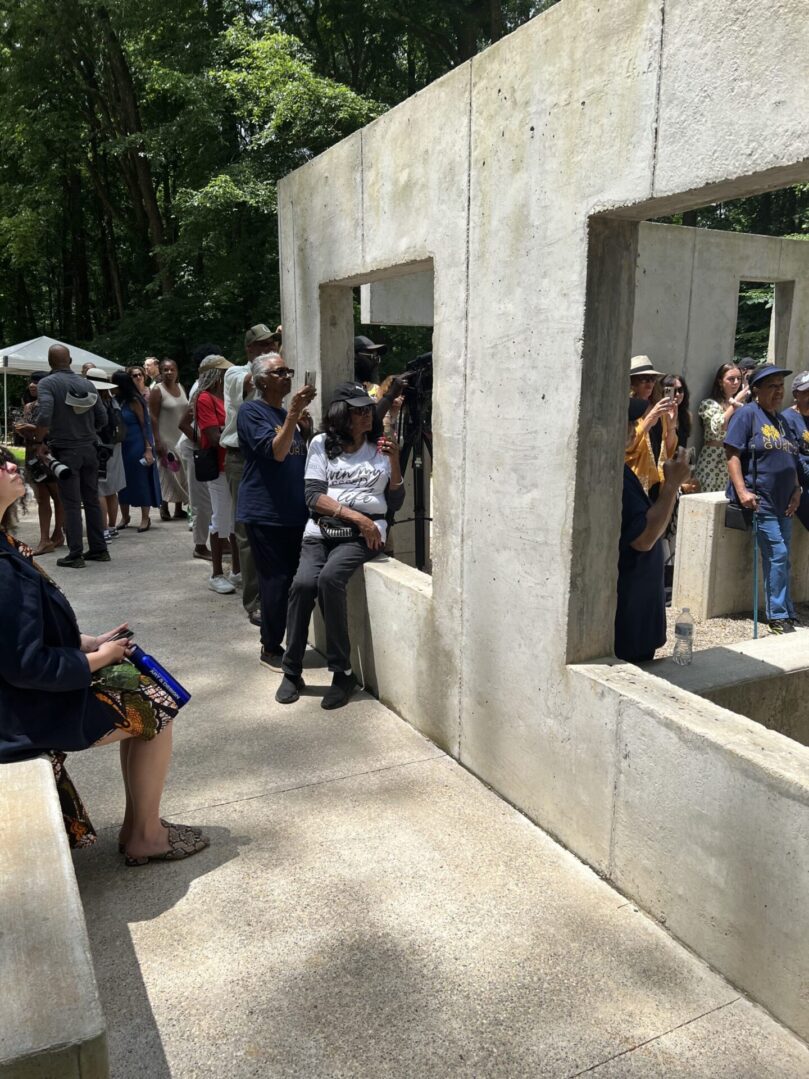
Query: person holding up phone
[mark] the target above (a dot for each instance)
(655, 438)
(352, 479)
(63, 690)
(271, 503)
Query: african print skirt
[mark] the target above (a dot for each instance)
(135, 704)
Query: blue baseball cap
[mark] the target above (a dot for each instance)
(765, 372)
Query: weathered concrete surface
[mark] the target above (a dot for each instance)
(713, 571)
(51, 1022)
(366, 906)
(398, 301)
(520, 178)
(687, 297)
(766, 680)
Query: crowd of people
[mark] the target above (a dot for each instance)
(286, 516)
(753, 449)
(296, 514)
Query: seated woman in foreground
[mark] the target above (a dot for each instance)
(351, 481)
(62, 690)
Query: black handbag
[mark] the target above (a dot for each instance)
(337, 530)
(738, 518)
(206, 462)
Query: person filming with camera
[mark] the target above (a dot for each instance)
(351, 481)
(70, 416)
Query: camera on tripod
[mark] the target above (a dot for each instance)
(47, 468)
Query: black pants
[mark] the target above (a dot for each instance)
(323, 574)
(276, 551)
(81, 486)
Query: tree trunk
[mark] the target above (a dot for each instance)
(131, 123)
(78, 260)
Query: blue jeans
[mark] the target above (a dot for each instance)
(774, 536)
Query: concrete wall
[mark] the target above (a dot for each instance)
(520, 178)
(713, 571)
(687, 300)
(398, 301)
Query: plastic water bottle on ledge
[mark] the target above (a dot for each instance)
(684, 638)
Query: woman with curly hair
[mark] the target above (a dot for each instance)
(350, 483)
(63, 690)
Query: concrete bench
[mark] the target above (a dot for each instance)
(713, 568)
(51, 1023)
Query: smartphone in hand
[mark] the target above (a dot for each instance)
(310, 379)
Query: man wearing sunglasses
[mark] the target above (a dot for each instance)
(258, 340)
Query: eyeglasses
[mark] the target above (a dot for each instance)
(281, 372)
(360, 409)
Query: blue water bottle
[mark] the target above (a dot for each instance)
(149, 666)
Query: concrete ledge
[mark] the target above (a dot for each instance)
(766, 680)
(708, 827)
(51, 1023)
(396, 646)
(713, 571)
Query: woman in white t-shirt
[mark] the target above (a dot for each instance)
(352, 479)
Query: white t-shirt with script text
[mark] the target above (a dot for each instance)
(356, 479)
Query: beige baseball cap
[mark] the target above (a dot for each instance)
(215, 363)
(259, 332)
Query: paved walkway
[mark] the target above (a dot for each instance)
(367, 908)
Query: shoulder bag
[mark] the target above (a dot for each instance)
(206, 462)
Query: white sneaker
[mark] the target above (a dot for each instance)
(235, 578)
(220, 585)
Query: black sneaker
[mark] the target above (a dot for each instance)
(795, 621)
(273, 660)
(781, 625)
(342, 686)
(289, 690)
(71, 561)
(97, 556)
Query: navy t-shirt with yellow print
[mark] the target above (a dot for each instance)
(270, 491)
(766, 447)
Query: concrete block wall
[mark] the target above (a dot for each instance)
(713, 571)
(520, 180)
(687, 296)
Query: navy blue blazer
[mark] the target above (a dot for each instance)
(45, 697)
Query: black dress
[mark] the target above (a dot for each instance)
(640, 617)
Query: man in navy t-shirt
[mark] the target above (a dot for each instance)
(763, 478)
(271, 501)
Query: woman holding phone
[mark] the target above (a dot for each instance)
(62, 690)
(655, 438)
(351, 481)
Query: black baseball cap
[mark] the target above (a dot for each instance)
(353, 393)
(365, 344)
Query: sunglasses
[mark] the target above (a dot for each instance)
(282, 372)
(360, 409)
(645, 378)
(140, 375)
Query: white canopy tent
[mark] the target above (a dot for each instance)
(30, 356)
